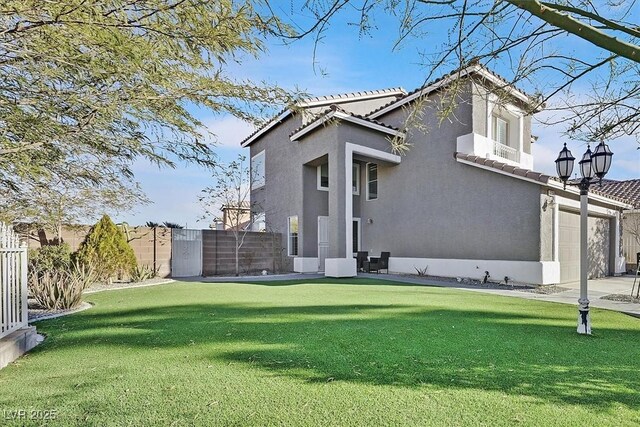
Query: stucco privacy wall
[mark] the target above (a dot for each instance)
(142, 240)
(432, 206)
(260, 251)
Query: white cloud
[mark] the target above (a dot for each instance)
(229, 130)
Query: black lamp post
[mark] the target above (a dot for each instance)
(592, 165)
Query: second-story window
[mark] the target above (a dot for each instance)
(501, 130)
(372, 181)
(323, 177)
(257, 170)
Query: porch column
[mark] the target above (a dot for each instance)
(336, 204)
(340, 262)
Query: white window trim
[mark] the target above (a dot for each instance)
(264, 165)
(319, 179)
(289, 236)
(494, 126)
(377, 180)
(492, 102)
(356, 192)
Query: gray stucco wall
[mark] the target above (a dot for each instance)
(435, 207)
(428, 206)
(290, 188)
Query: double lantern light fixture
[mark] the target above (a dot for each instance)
(592, 165)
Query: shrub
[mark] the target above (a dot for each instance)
(106, 247)
(61, 289)
(50, 257)
(141, 273)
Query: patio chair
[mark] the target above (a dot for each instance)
(361, 258)
(377, 264)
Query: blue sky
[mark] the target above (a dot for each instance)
(344, 62)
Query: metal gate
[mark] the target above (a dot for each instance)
(13, 282)
(186, 253)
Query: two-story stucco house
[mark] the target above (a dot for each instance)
(461, 201)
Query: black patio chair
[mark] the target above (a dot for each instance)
(361, 258)
(377, 264)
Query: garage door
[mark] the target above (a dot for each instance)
(569, 245)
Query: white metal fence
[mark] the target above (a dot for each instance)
(13, 281)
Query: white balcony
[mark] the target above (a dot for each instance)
(484, 147)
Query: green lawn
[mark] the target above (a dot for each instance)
(328, 352)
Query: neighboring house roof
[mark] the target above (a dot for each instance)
(536, 177)
(629, 190)
(441, 82)
(337, 113)
(321, 101)
(236, 205)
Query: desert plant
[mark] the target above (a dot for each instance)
(61, 288)
(50, 257)
(422, 271)
(486, 277)
(142, 272)
(106, 247)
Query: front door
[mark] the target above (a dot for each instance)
(323, 240)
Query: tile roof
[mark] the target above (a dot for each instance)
(332, 109)
(629, 190)
(346, 96)
(325, 100)
(513, 170)
(472, 68)
(235, 205)
(543, 178)
(278, 117)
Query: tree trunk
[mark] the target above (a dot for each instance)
(237, 263)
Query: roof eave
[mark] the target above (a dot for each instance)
(266, 128)
(477, 69)
(348, 118)
(545, 181)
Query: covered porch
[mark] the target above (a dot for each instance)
(330, 225)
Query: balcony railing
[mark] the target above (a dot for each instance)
(481, 146)
(506, 152)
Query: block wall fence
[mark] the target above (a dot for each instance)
(152, 247)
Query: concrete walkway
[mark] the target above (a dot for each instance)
(596, 290)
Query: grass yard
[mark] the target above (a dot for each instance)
(326, 352)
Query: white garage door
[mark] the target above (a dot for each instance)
(569, 245)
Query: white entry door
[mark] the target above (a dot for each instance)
(323, 240)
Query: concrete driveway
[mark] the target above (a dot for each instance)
(597, 289)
